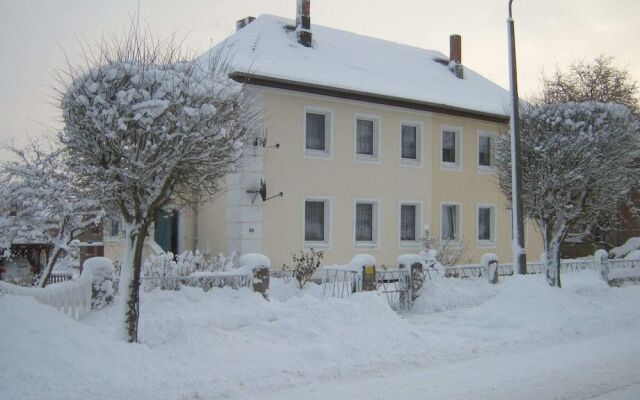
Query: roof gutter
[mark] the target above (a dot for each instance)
(266, 81)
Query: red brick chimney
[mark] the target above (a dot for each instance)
(455, 55)
(303, 22)
(241, 23)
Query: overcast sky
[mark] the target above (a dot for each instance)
(36, 35)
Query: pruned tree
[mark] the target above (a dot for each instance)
(600, 80)
(148, 127)
(577, 163)
(42, 201)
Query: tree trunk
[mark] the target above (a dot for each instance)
(46, 274)
(552, 262)
(130, 281)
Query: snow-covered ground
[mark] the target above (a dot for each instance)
(465, 339)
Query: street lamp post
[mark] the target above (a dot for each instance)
(519, 254)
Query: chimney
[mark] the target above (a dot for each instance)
(455, 55)
(241, 23)
(303, 22)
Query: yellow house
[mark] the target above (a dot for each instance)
(367, 140)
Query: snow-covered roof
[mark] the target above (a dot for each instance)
(352, 62)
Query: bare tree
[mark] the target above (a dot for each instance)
(42, 201)
(577, 163)
(599, 80)
(148, 127)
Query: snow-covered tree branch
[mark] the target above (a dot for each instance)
(148, 128)
(577, 166)
(41, 201)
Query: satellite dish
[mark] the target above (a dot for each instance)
(263, 190)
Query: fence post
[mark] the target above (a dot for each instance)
(601, 257)
(102, 281)
(259, 265)
(368, 278)
(490, 263)
(417, 280)
(261, 280)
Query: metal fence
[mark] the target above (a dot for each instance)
(57, 277)
(340, 282)
(206, 282)
(395, 284)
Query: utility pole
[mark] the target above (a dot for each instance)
(519, 253)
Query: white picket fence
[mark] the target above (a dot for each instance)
(72, 297)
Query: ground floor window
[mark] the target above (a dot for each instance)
(486, 225)
(409, 223)
(366, 222)
(450, 222)
(316, 221)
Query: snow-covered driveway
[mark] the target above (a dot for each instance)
(605, 367)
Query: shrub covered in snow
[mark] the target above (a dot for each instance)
(437, 253)
(103, 293)
(630, 245)
(165, 270)
(633, 256)
(304, 265)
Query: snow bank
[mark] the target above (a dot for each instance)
(254, 260)
(360, 260)
(234, 344)
(450, 294)
(487, 259)
(409, 259)
(628, 246)
(633, 255)
(220, 344)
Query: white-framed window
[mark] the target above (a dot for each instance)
(317, 132)
(486, 225)
(367, 137)
(410, 222)
(410, 143)
(451, 147)
(366, 223)
(114, 228)
(450, 222)
(485, 150)
(317, 221)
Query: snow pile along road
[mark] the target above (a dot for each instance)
(214, 344)
(234, 344)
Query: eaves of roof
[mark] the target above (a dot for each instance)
(271, 82)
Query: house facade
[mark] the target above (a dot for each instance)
(365, 142)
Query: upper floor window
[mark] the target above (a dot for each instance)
(451, 148)
(485, 145)
(367, 137)
(317, 132)
(410, 143)
(450, 222)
